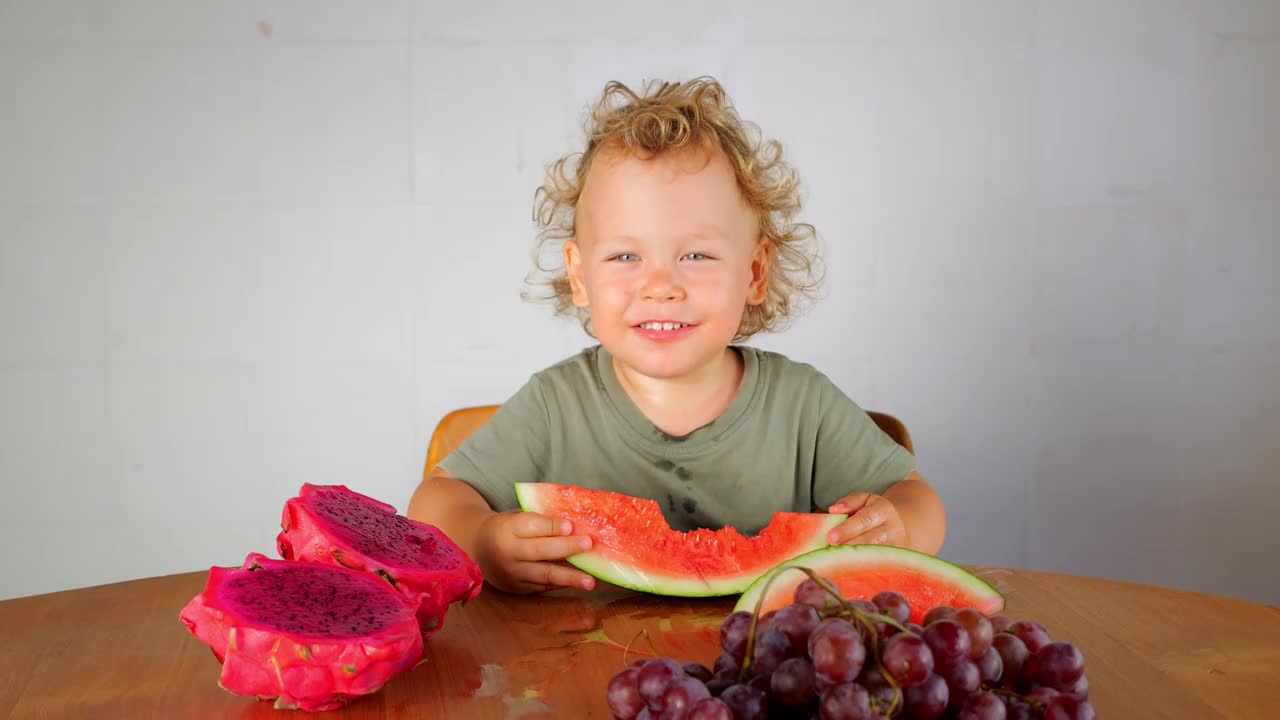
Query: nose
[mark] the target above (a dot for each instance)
(660, 284)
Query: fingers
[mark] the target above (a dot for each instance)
(876, 536)
(870, 516)
(544, 576)
(858, 526)
(531, 550)
(549, 548)
(850, 504)
(532, 525)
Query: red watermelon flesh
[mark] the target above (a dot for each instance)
(633, 547)
(862, 571)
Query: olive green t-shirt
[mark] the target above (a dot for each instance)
(790, 440)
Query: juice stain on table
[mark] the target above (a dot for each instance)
(589, 631)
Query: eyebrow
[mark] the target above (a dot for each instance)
(706, 233)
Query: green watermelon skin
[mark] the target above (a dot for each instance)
(861, 571)
(633, 547)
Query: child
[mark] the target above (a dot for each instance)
(678, 241)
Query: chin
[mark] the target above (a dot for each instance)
(664, 361)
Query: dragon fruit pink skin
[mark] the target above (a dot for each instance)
(311, 636)
(331, 523)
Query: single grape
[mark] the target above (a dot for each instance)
(947, 639)
(990, 667)
(893, 605)
(979, 629)
(1030, 673)
(885, 700)
(654, 679)
(766, 621)
(722, 680)
(770, 649)
(747, 703)
(942, 612)
(1059, 665)
(837, 653)
(726, 661)
(623, 696)
(815, 596)
(1020, 711)
(982, 706)
(1013, 655)
(962, 679)
(1043, 695)
(1081, 688)
(709, 709)
(926, 701)
(871, 677)
(907, 660)
(796, 622)
(1000, 622)
(682, 694)
(792, 682)
(846, 701)
(865, 605)
(1065, 707)
(880, 627)
(733, 634)
(697, 671)
(1032, 634)
(646, 714)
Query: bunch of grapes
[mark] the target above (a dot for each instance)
(824, 657)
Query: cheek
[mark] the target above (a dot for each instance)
(727, 286)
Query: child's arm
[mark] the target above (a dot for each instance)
(517, 551)
(909, 514)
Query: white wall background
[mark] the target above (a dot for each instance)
(249, 245)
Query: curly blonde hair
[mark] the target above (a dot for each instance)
(669, 116)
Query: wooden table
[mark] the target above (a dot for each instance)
(118, 651)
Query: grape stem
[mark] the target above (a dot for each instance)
(864, 620)
(627, 649)
(844, 609)
(1036, 705)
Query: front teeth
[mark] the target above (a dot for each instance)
(663, 326)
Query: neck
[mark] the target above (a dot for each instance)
(709, 388)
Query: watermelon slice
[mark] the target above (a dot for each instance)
(861, 571)
(632, 545)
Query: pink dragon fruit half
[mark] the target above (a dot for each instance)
(311, 636)
(331, 523)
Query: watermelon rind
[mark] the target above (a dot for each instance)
(844, 557)
(633, 578)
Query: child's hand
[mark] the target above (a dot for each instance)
(873, 520)
(522, 552)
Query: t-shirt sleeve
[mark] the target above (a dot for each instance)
(852, 453)
(512, 447)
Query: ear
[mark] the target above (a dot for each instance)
(573, 271)
(761, 266)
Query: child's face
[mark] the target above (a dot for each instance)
(665, 240)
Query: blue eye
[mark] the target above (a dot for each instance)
(696, 256)
(625, 257)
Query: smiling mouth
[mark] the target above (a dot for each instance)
(663, 325)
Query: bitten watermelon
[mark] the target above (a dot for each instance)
(632, 545)
(861, 571)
